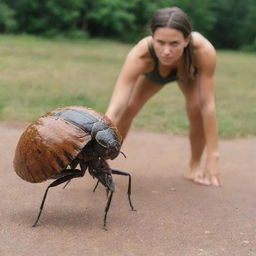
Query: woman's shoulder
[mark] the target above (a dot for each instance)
(138, 59)
(203, 50)
(140, 49)
(201, 43)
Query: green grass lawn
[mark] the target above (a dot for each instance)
(38, 75)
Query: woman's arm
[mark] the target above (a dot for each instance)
(133, 67)
(206, 61)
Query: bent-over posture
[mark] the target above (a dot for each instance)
(173, 53)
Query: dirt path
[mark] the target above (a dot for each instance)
(174, 216)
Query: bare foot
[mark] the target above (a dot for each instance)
(197, 176)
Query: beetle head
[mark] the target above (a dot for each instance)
(108, 145)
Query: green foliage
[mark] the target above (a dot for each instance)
(7, 20)
(250, 24)
(110, 18)
(48, 17)
(227, 23)
(235, 25)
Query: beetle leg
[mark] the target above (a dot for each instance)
(66, 184)
(67, 172)
(107, 190)
(76, 173)
(96, 186)
(114, 171)
(107, 208)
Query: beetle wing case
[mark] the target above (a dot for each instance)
(48, 146)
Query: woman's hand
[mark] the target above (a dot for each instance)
(211, 173)
(209, 176)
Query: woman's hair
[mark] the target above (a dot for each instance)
(177, 19)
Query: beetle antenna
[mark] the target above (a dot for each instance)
(123, 154)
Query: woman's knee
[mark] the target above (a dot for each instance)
(193, 108)
(195, 116)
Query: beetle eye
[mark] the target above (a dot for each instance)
(101, 139)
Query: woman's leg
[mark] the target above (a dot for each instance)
(142, 91)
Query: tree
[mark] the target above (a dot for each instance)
(249, 32)
(110, 18)
(46, 17)
(7, 20)
(229, 26)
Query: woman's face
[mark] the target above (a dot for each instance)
(169, 45)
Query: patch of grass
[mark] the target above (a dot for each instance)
(38, 75)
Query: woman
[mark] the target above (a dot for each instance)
(173, 52)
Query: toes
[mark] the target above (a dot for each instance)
(202, 180)
(216, 181)
(208, 181)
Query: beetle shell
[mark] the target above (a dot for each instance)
(50, 144)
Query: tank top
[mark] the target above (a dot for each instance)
(154, 75)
